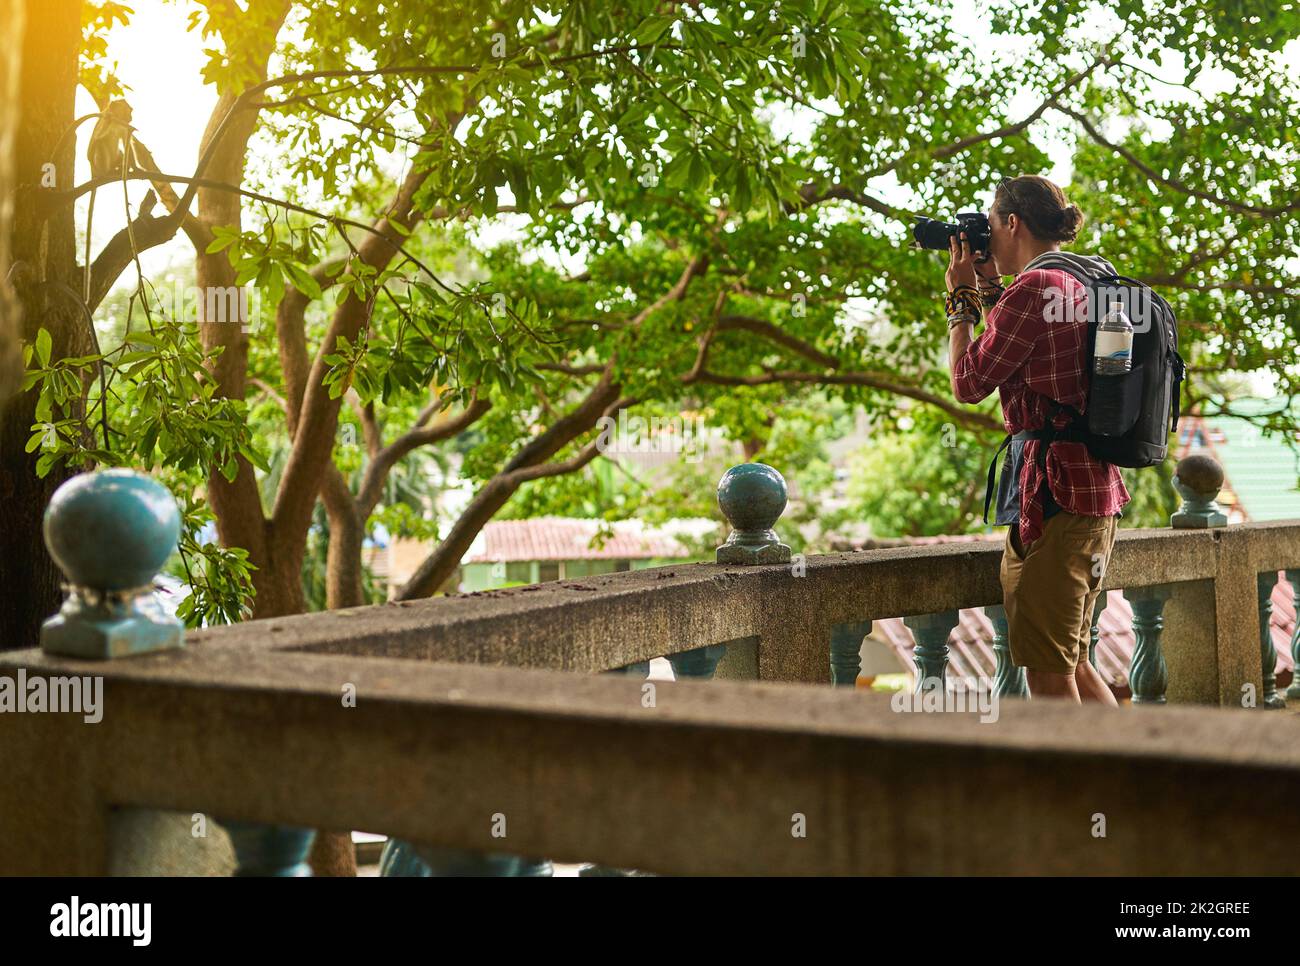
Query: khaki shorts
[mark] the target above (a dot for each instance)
(1050, 588)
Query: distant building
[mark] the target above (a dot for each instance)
(1260, 472)
(510, 552)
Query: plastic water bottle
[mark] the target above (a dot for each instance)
(1113, 354)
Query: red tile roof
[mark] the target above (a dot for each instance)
(563, 538)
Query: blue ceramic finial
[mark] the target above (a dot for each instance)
(752, 496)
(111, 532)
(1198, 479)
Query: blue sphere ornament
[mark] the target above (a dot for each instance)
(752, 496)
(111, 532)
(1198, 479)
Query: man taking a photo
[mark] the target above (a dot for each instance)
(1060, 503)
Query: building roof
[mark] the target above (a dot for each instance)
(564, 538)
(1260, 471)
(970, 645)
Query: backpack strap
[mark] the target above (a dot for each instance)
(1176, 395)
(1054, 260)
(1048, 435)
(993, 468)
(1075, 432)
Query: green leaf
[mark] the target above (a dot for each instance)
(303, 281)
(652, 29)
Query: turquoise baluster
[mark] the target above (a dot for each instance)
(1148, 676)
(931, 652)
(1009, 680)
(111, 532)
(401, 859)
(1094, 631)
(1198, 479)
(846, 652)
(270, 851)
(1293, 578)
(699, 663)
(1270, 700)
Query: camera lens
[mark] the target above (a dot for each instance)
(933, 234)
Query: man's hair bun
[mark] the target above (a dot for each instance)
(1069, 222)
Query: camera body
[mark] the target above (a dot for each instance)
(934, 234)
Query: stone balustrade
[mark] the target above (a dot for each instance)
(465, 715)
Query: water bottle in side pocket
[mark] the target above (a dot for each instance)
(1113, 352)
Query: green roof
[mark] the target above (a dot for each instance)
(1263, 471)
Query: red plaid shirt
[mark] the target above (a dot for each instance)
(1034, 348)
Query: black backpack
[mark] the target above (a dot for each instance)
(1129, 416)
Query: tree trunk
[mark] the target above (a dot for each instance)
(46, 283)
(343, 584)
(12, 18)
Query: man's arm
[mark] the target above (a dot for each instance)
(979, 366)
(960, 337)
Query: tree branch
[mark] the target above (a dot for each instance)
(377, 470)
(1174, 183)
(528, 464)
(975, 420)
(313, 441)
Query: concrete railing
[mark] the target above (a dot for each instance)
(387, 719)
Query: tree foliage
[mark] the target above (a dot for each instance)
(510, 219)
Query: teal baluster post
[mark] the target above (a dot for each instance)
(1148, 676)
(270, 851)
(846, 652)
(931, 653)
(111, 532)
(752, 496)
(1094, 632)
(699, 663)
(1293, 578)
(401, 859)
(1198, 479)
(1009, 680)
(1270, 699)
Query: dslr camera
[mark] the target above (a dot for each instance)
(934, 234)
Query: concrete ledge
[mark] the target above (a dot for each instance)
(608, 621)
(709, 780)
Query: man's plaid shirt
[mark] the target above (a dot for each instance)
(1033, 349)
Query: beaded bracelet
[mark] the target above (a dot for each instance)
(963, 298)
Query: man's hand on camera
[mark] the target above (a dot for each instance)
(961, 264)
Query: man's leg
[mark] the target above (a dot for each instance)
(1049, 684)
(1091, 686)
(1042, 684)
(1054, 583)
